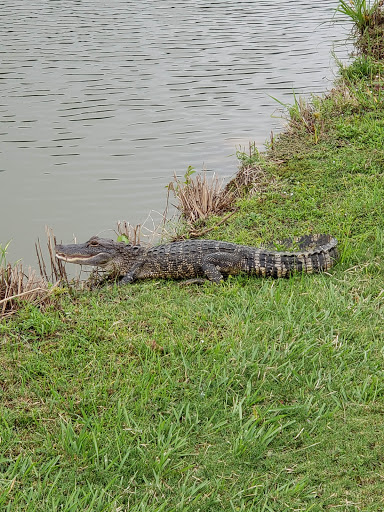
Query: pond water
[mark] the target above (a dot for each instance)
(102, 101)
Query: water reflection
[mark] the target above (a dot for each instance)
(102, 102)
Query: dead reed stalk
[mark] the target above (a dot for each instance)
(156, 227)
(57, 272)
(129, 232)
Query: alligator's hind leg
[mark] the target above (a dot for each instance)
(211, 272)
(219, 263)
(196, 280)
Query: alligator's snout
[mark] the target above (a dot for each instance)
(82, 254)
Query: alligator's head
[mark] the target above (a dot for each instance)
(100, 252)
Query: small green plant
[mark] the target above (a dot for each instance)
(3, 255)
(188, 174)
(179, 183)
(123, 238)
(304, 114)
(247, 159)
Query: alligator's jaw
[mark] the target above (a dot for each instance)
(81, 259)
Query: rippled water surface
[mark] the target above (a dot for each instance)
(101, 101)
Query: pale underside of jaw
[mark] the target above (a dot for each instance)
(76, 258)
(97, 260)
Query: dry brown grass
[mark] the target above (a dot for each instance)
(200, 197)
(249, 181)
(18, 286)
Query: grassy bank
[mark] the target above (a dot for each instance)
(264, 395)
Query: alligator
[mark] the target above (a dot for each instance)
(209, 259)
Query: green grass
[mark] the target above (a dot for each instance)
(3, 255)
(263, 395)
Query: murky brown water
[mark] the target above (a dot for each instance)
(101, 101)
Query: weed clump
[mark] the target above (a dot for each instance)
(201, 197)
(17, 285)
(252, 177)
(369, 25)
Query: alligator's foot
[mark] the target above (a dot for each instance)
(196, 280)
(128, 279)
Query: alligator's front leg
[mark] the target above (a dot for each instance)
(132, 275)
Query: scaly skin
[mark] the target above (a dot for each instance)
(210, 259)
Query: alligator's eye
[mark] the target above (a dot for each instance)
(93, 243)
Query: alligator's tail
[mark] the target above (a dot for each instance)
(311, 253)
